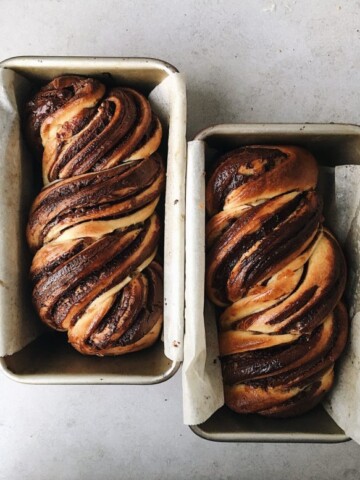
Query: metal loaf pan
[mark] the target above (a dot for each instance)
(50, 359)
(332, 145)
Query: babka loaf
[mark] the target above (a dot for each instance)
(93, 228)
(277, 275)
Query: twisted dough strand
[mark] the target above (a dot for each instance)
(94, 231)
(85, 129)
(279, 276)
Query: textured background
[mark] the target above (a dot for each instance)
(248, 61)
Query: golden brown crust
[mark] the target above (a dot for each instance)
(251, 174)
(95, 204)
(95, 232)
(279, 276)
(259, 243)
(128, 321)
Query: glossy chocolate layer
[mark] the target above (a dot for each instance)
(259, 243)
(250, 174)
(67, 90)
(112, 199)
(130, 322)
(82, 127)
(279, 275)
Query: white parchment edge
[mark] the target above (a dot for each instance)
(169, 98)
(201, 373)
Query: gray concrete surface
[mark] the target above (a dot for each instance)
(245, 61)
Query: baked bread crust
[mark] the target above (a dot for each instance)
(94, 229)
(278, 276)
(82, 127)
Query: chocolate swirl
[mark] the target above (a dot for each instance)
(279, 276)
(95, 231)
(84, 128)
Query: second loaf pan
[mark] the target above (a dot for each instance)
(48, 358)
(331, 145)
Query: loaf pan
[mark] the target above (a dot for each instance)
(50, 359)
(331, 145)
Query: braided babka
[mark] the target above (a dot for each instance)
(93, 228)
(277, 275)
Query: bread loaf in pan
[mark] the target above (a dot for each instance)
(277, 275)
(94, 227)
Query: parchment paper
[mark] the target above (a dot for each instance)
(16, 330)
(343, 403)
(18, 323)
(202, 382)
(169, 101)
(201, 373)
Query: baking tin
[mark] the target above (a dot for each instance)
(50, 359)
(332, 145)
